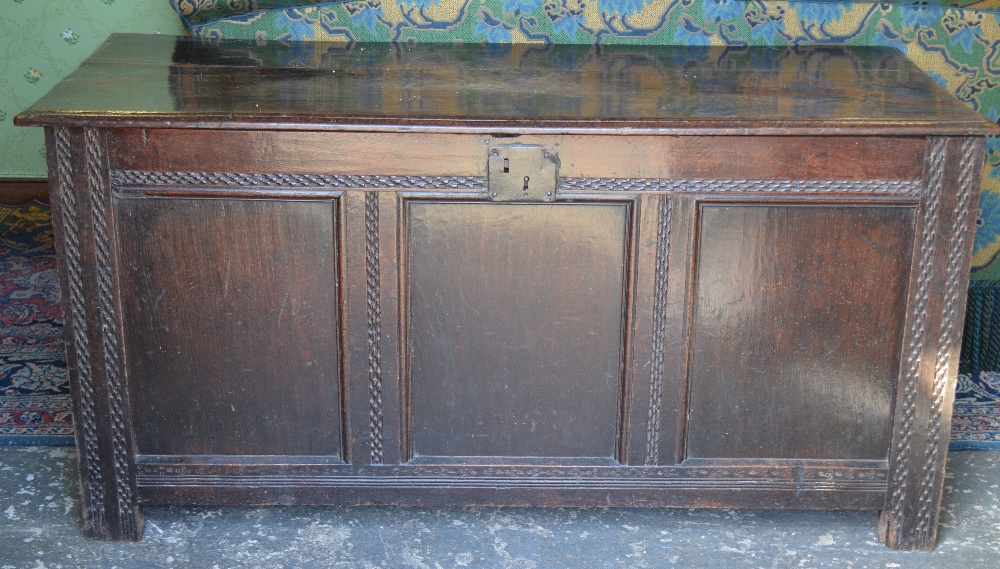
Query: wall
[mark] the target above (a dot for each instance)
(42, 41)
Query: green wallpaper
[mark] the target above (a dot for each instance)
(42, 41)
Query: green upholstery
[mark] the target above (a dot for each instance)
(957, 46)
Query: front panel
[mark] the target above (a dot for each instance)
(230, 310)
(673, 340)
(516, 321)
(797, 324)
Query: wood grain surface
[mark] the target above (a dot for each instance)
(610, 156)
(515, 328)
(231, 312)
(796, 313)
(321, 86)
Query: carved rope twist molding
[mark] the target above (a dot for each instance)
(143, 178)
(877, 187)
(125, 178)
(659, 331)
(374, 308)
(953, 293)
(109, 325)
(900, 481)
(86, 415)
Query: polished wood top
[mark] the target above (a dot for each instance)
(164, 81)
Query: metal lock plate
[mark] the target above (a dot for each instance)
(522, 173)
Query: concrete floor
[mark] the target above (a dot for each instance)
(40, 529)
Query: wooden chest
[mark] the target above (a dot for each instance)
(510, 275)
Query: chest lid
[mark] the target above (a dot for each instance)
(164, 81)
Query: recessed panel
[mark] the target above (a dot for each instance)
(515, 328)
(796, 330)
(231, 324)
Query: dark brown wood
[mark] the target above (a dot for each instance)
(221, 480)
(227, 83)
(782, 294)
(609, 156)
(258, 278)
(515, 321)
(926, 387)
(16, 191)
(287, 281)
(86, 249)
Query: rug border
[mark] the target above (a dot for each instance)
(959, 446)
(36, 440)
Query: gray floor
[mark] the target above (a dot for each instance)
(40, 518)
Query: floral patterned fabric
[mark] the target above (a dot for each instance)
(958, 47)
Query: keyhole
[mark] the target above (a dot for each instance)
(506, 165)
(525, 184)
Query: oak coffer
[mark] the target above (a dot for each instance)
(510, 275)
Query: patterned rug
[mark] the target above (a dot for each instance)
(975, 421)
(34, 391)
